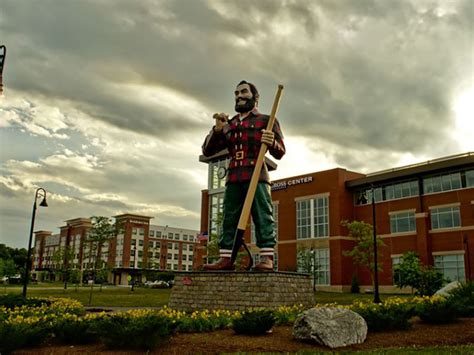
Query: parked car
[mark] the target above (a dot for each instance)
(157, 284)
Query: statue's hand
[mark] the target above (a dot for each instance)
(221, 121)
(268, 137)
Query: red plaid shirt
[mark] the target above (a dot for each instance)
(242, 138)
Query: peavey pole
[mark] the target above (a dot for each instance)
(3, 55)
(244, 216)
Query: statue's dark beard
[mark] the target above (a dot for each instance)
(246, 107)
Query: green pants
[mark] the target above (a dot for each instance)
(262, 214)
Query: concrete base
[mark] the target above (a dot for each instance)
(240, 290)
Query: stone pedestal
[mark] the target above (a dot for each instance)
(240, 290)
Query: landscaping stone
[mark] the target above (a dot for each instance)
(332, 327)
(445, 290)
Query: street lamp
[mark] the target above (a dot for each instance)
(3, 55)
(313, 254)
(374, 226)
(134, 261)
(28, 259)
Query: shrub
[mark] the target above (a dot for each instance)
(355, 287)
(254, 322)
(286, 315)
(11, 301)
(18, 334)
(145, 332)
(76, 330)
(393, 314)
(430, 281)
(205, 321)
(437, 310)
(463, 298)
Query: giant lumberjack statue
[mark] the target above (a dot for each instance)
(243, 136)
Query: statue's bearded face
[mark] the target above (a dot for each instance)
(244, 99)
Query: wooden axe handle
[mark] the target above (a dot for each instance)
(244, 216)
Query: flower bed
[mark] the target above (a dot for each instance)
(65, 320)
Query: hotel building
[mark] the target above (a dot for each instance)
(427, 208)
(139, 247)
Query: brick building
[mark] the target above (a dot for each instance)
(139, 247)
(427, 208)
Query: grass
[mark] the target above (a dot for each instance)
(109, 296)
(112, 296)
(435, 350)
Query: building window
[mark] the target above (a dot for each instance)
(170, 245)
(312, 218)
(185, 237)
(170, 235)
(176, 236)
(140, 253)
(190, 248)
(176, 257)
(452, 266)
(139, 264)
(442, 183)
(215, 214)
(402, 222)
(134, 231)
(140, 242)
(170, 256)
(470, 178)
(395, 276)
(176, 246)
(388, 192)
(141, 231)
(445, 217)
(322, 266)
(152, 233)
(318, 257)
(190, 258)
(158, 234)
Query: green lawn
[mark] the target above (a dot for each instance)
(110, 296)
(437, 350)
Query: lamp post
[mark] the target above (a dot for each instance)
(134, 260)
(3, 55)
(376, 274)
(313, 255)
(28, 258)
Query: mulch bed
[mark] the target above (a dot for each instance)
(280, 340)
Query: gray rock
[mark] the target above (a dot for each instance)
(445, 290)
(332, 327)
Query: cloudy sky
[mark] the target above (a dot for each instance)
(106, 103)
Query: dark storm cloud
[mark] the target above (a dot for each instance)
(366, 82)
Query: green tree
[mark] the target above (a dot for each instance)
(410, 272)
(102, 230)
(63, 258)
(17, 255)
(304, 259)
(407, 272)
(7, 268)
(363, 252)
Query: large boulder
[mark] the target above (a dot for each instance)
(332, 327)
(445, 290)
